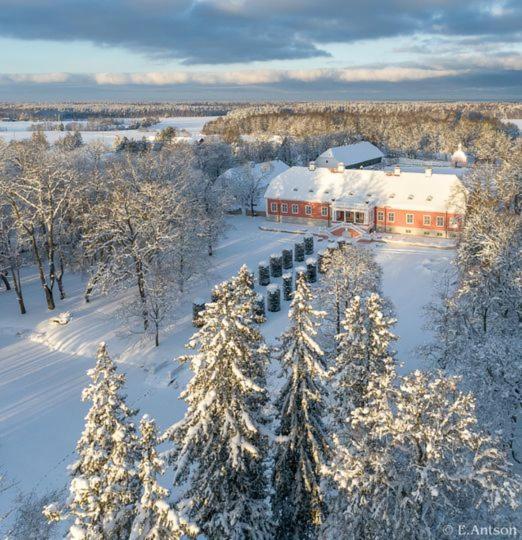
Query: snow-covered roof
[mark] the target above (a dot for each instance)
(458, 171)
(351, 154)
(266, 170)
(359, 187)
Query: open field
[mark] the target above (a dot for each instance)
(19, 130)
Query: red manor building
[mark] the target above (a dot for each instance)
(422, 204)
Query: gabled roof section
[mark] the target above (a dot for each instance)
(351, 154)
(407, 191)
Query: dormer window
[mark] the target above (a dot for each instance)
(429, 198)
(410, 196)
(391, 195)
(295, 189)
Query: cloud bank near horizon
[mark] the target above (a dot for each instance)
(232, 78)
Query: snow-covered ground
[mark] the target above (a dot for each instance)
(19, 130)
(43, 364)
(516, 121)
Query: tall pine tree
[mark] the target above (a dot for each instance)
(364, 345)
(221, 446)
(155, 519)
(104, 486)
(362, 381)
(301, 443)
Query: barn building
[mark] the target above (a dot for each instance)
(352, 156)
(422, 204)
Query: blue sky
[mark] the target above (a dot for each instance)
(260, 49)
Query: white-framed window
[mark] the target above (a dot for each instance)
(453, 222)
(427, 220)
(284, 208)
(380, 215)
(273, 207)
(295, 209)
(440, 221)
(391, 217)
(409, 219)
(408, 231)
(324, 211)
(308, 210)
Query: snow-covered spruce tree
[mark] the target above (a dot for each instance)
(361, 475)
(416, 462)
(456, 471)
(242, 286)
(364, 346)
(104, 486)
(302, 444)
(221, 447)
(350, 271)
(155, 519)
(477, 319)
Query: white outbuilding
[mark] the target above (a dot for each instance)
(351, 156)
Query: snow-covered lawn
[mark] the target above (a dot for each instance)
(43, 364)
(19, 130)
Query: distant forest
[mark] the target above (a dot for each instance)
(93, 110)
(89, 111)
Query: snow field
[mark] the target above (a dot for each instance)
(43, 364)
(19, 130)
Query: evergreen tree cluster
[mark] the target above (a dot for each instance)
(346, 448)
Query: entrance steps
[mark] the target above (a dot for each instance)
(348, 230)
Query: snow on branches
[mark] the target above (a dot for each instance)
(155, 519)
(301, 444)
(104, 486)
(221, 445)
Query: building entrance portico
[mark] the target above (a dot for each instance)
(350, 216)
(353, 214)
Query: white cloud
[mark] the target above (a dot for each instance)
(37, 78)
(461, 64)
(234, 78)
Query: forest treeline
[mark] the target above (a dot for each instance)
(88, 110)
(413, 129)
(92, 110)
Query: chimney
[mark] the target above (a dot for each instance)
(311, 166)
(397, 170)
(428, 171)
(340, 167)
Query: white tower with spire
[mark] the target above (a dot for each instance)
(459, 158)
